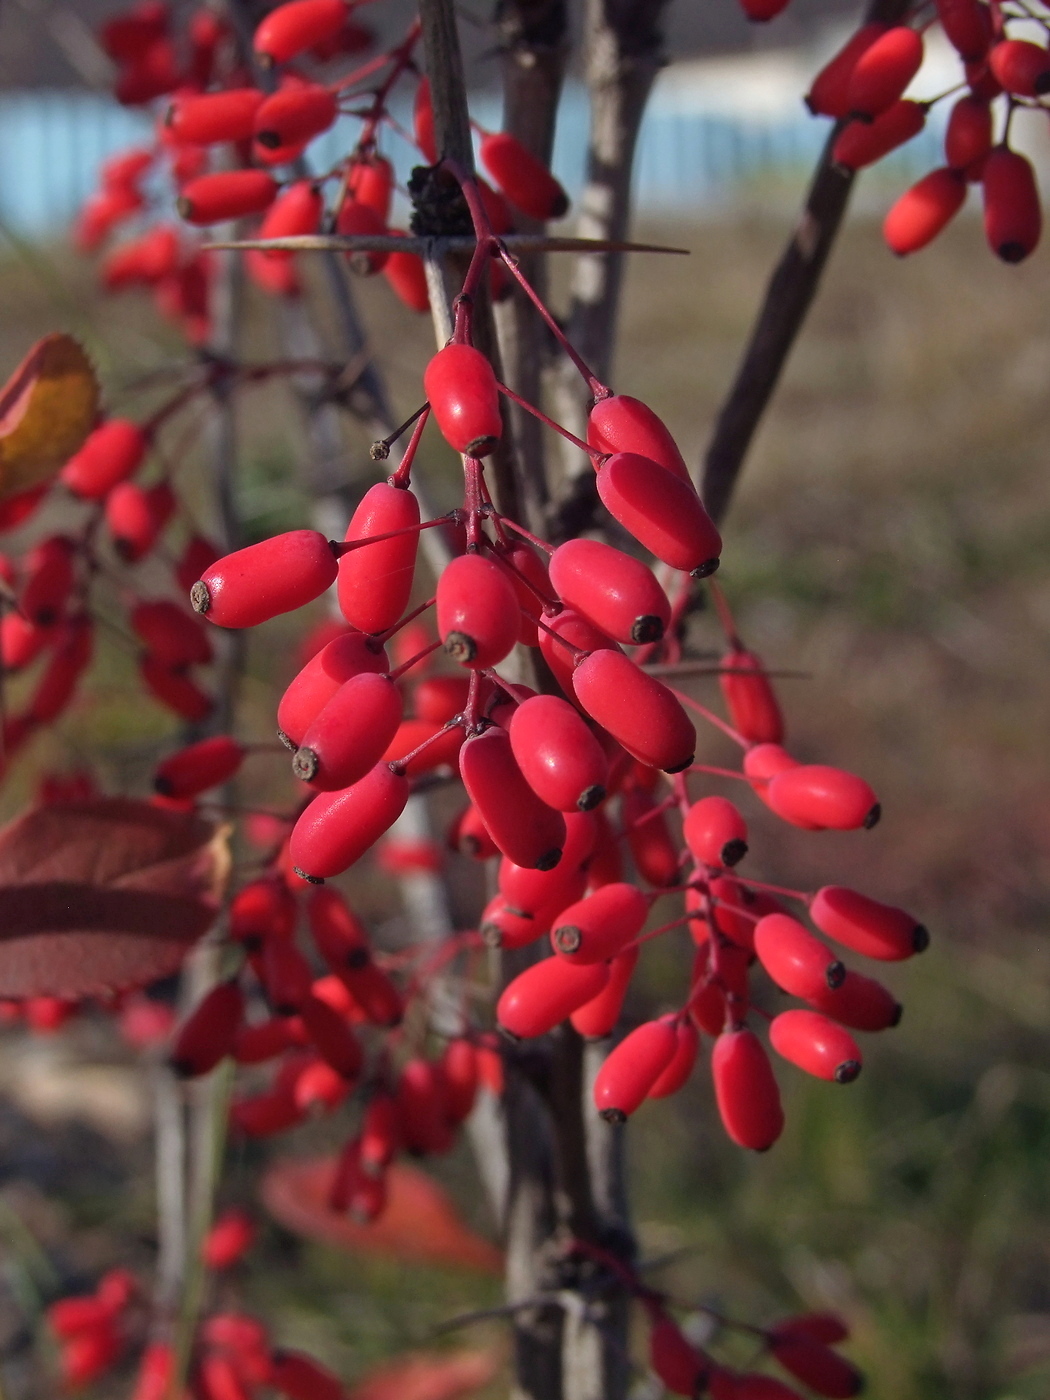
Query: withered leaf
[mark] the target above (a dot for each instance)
(47, 408)
(104, 895)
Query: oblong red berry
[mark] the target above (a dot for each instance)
(923, 211)
(872, 929)
(337, 828)
(207, 1034)
(597, 1018)
(860, 1003)
(375, 581)
(132, 521)
(828, 95)
(523, 827)
(350, 734)
(335, 1042)
(558, 755)
(813, 793)
(661, 511)
(816, 1044)
(295, 1375)
(750, 698)
(477, 611)
(1013, 218)
(968, 136)
(621, 423)
(542, 996)
(715, 832)
(639, 711)
(575, 631)
(680, 1066)
(632, 1068)
(862, 143)
(598, 926)
(682, 1367)
(522, 177)
(21, 641)
(227, 194)
(423, 121)
(295, 114)
(817, 1366)
(48, 580)
(540, 891)
(797, 962)
(291, 29)
(883, 71)
(296, 210)
(320, 679)
(440, 698)
(111, 453)
(407, 275)
(202, 119)
(968, 26)
(198, 767)
(617, 592)
(1020, 67)
(461, 387)
(274, 576)
(746, 1090)
(174, 689)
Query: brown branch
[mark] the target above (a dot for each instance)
(788, 297)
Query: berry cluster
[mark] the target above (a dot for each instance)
(1003, 54)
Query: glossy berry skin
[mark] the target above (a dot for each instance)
(1020, 67)
(504, 925)
(828, 95)
(621, 423)
(524, 828)
(295, 114)
(461, 387)
(817, 1045)
(600, 925)
(524, 179)
(1013, 219)
(968, 137)
(883, 71)
(797, 962)
(577, 631)
(615, 591)
(817, 1366)
(321, 678)
(750, 698)
(967, 26)
(229, 1239)
(560, 758)
(632, 1068)
(207, 1034)
(350, 734)
(863, 143)
(133, 521)
(175, 690)
(296, 210)
(477, 611)
(371, 182)
(860, 1003)
(112, 453)
(442, 746)
(275, 576)
(198, 767)
(293, 28)
(375, 582)
(872, 929)
(715, 832)
(407, 276)
(637, 710)
(746, 1090)
(680, 1066)
(542, 996)
(661, 511)
(537, 891)
(203, 119)
(228, 194)
(812, 794)
(923, 211)
(597, 1018)
(338, 827)
(531, 582)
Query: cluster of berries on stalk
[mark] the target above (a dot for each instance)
(1004, 62)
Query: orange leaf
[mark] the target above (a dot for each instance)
(428, 1376)
(104, 895)
(419, 1223)
(47, 408)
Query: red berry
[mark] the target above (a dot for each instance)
(558, 755)
(349, 655)
(637, 710)
(339, 827)
(423, 121)
(112, 452)
(524, 179)
(203, 119)
(883, 71)
(875, 930)
(229, 1239)
(542, 996)
(750, 697)
(174, 637)
(597, 1018)
(461, 387)
(275, 576)
(813, 794)
(1020, 67)
(380, 1133)
(817, 1327)
(615, 591)
(630, 1071)
(371, 182)
(296, 210)
(335, 1041)
(1013, 219)
(523, 827)
(817, 1366)
(20, 642)
(421, 1107)
(440, 698)
(459, 1076)
(860, 1003)
(207, 1034)
(226, 194)
(968, 26)
(680, 1066)
(923, 211)
(816, 1045)
(477, 611)
(48, 580)
(661, 511)
(600, 925)
(442, 746)
(715, 832)
(968, 137)
(503, 925)
(862, 143)
(682, 1367)
(828, 95)
(746, 1090)
(173, 689)
(350, 734)
(762, 11)
(295, 114)
(538, 892)
(291, 29)
(375, 581)
(797, 962)
(297, 1376)
(198, 767)
(574, 629)
(620, 423)
(407, 276)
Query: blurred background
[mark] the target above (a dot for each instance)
(889, 541)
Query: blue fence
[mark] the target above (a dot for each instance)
(52, 143)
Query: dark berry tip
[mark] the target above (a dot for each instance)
(835, 974)
(549, 859)
(590, 797)
(706, 569)
(847, 1071)
(647, 628)
(920, 938)
(733, 852)
(615, 1116)
(872, 819)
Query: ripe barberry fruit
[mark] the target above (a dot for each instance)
(746, 1090)
(375, 581)
(274, 576)
(638, 710)
(477, 611)
(461, 388)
